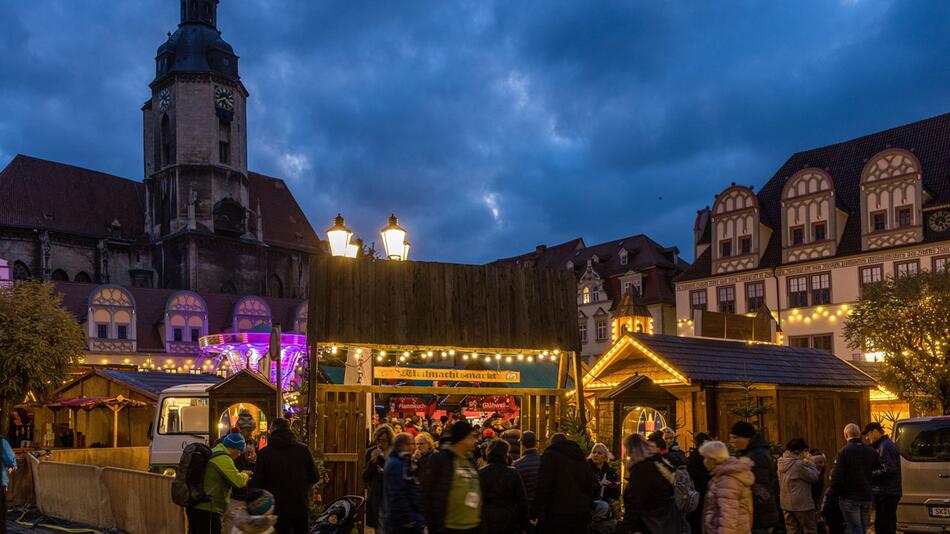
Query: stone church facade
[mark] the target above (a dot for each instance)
(199, 222)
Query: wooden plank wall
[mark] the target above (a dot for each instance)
(442, 305)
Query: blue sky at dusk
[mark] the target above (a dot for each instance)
(491, 126)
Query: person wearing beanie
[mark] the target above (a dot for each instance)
(451, 491)
(796, 476)
(221, 476)
(751, 444)
(254, 513)
(728, 507)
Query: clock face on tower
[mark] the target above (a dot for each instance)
(164, 99)
(223, 98)
(939, 221)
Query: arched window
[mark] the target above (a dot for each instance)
(20, 271)
(82, 277)
(275, 288)
(300, 317)
(585, 295)
(60, 275)
(111, 320)
(186, 320)
(251, 313)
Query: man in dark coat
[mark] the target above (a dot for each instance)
(752, 445)
(286, 469)
(851, 480)
(700, 477)
(886, 479)
(451, 490)
(505, 506)
(529, 463)
(563, 498)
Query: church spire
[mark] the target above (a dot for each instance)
(203, 11)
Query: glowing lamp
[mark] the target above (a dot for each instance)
(394, 240)
(339, 237)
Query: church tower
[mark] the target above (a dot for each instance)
(195, 133)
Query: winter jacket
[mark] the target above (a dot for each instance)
(8, 460)
(565, 483)
(700, 477)
(765, 512)
(728, 504)
(285, 468)
(851, 475)
(528, 466)
(220, 478)
(436, 484)
(601, 492)
(648, 495)
(675, 455)
(373, 478)
(419, 465)
(796, 478)
(504, 502)
(886, 478)
(401, 494)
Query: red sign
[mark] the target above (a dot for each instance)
(407, 404)
(491, 403)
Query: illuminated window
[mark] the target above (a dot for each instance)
(727, 299)
(585, 295)
(725, 248)
(906, 268)
(821, 289)
(797, 235)
(697, 300)
(798, 292)
(819, 231)
(601, 330)
(878, 221)
(904, 216)
(745, 244)
(871, 275)
(755, 296)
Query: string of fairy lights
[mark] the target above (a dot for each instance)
(397, 356)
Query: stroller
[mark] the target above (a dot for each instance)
(339, 516)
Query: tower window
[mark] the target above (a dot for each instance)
(224, 142)
(165, 141)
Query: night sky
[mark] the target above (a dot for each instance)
(490, 127)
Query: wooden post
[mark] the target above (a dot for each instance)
(115, 425)
(579, 389)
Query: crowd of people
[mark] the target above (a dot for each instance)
(452, 477)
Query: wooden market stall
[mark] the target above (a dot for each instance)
(700, 384)
(415, 328)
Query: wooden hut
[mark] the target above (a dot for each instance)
(801, 392)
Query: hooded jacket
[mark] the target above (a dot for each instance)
(286, 469)
(401, 494)
(765, 508)
(220, 478)
(796, 478)
(565, 482)
(727, 508)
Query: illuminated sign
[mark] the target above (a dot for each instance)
(418, 373)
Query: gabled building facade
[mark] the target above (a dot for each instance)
(830, 221)
(634, 266)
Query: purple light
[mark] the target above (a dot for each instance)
(247, 349)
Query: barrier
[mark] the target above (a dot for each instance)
(124, 457)
(132, 501)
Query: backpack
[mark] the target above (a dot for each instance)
(188, 488)
(684, 492)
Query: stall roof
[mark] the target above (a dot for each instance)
(88, 403)
(155, 382)
(715, 360)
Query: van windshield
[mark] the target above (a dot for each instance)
(183, 415)
(924, 441)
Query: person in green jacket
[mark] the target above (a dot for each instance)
(220, 478)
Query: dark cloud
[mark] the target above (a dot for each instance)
(489, 127)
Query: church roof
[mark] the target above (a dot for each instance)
(928, 139)
(42, 194)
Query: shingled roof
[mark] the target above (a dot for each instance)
(33, 194)
(714, 360)
(928, 139)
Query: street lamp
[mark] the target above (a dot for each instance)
(394, 240)
(339, 237)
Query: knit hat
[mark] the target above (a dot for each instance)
(743, 429)
(246, 420)
(796, 445)
(715, 451)
(259, 501)
(459, 430)
(233, 441)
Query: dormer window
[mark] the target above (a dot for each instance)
(879, 221)
(725, 248)
(623, 257)
(797, 236)
(595, 295)
(819, 231)
(745, 245)
(904, 217)
(892, 196)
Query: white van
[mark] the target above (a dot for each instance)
(924, 446)
(181, 419)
